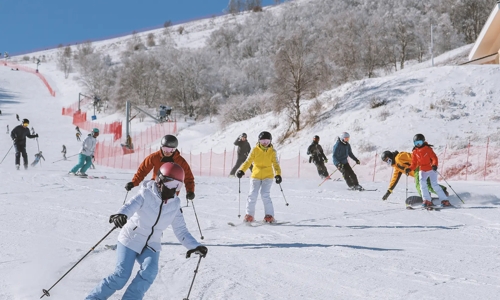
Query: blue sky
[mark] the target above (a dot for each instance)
(29, 25)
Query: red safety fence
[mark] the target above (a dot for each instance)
(33, 71)
(479, 162)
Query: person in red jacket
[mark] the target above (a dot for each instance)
(168, 153)
(424, 157)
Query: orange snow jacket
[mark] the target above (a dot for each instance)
(423, 157)
(154, 162)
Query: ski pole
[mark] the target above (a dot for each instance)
(66, 157)
(407, 189)
(7, 153)
(328, 177)
(196, 216)
(450, 187)
(125, 198)
(192, 282)
(38, 146)
(239, 197)
(283, 194)
(46, 292)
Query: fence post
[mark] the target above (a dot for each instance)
(374, 167)
(232, 158)
(201, 154)
(210, 166)
(298, 167)
(486, 159)
(224, 164)
(467, 165)
(442, 164)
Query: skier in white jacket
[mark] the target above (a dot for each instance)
(86, 154)
(143, 219)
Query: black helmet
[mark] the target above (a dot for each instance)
(316, 137)
(26, 121)
(169, 141)
(387, 155)
(419, 137)
(243, 135)
(264, 135)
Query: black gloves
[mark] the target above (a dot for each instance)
(240, 173)
(36, 135)
(434, 168)
(201, 250)
(120, 220)
(387, 194)
(190, 195)
(93, 158)
(358, 162)
(310, 159)
(129, 186)
(278, 179)
(326, 160)
(407, 171)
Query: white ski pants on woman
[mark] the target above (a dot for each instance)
(433, 177)
(264, 186)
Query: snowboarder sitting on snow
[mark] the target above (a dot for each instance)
(86, 154)
(317, 156)
(399, 161)
(424, 157)
(37, 158)
(243, 151)
(19, 135)
(264, 159)
(342, 150)
(143, 220)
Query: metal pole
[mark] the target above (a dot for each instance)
(432, 46)
(127, 117)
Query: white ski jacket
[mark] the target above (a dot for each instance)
(148, 217)
(88, 145)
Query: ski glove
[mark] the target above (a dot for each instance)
(340, 166)
(434, 168)
(407, 171)
(240, 173)
(129, 186)
(278, 179)
(120, 220)
(36, 135)
(358, 162)
(190, 195)
(201, 250)
(326, 160)
(386, 195)
(310, 159)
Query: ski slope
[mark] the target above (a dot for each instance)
(335, 244)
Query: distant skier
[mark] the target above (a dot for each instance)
(78, 136)
(32, 131)
(86, 154)
(37, 158)
(317, 156)
(17, 117)
(243, 151)
(399, 161)
(64, 152)
(78, 130)
(424, 157)
(265, 167)
(7, 129)
(19, 135)
(341, 151)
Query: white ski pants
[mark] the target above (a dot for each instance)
(433, 176)
(264, 186)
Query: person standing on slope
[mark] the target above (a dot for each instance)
(142, 220)
(341, 151)
(265, 165)
(399, 161)
(424, 157)
(86, 154)
(167, 153)
(19, 135)
(244, 149)
(317, 156)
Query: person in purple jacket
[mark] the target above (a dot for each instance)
(142, 221)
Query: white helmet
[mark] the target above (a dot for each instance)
(344, 137)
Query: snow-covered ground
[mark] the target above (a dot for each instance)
(334, 244)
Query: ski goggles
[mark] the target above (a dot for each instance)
(388, 161)
(265, 142)
(26, 124)
(170, 183)
(418, 143)
(168, 149)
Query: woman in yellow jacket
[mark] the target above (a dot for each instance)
(265, 166)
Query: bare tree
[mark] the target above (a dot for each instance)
(296, 76)
(151, 40)
(64, 62)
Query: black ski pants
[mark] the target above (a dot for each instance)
(322, 171)
(21, 149)
(239, 162)
(350, 177)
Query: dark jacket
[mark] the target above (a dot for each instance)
(19, 135)
(316, 151)
(341, 151)
(244, 148)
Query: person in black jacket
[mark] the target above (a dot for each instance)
(341, 151)
(318, 157)
(19, 135)
(244, 149)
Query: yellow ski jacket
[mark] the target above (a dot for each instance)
(264, 161)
